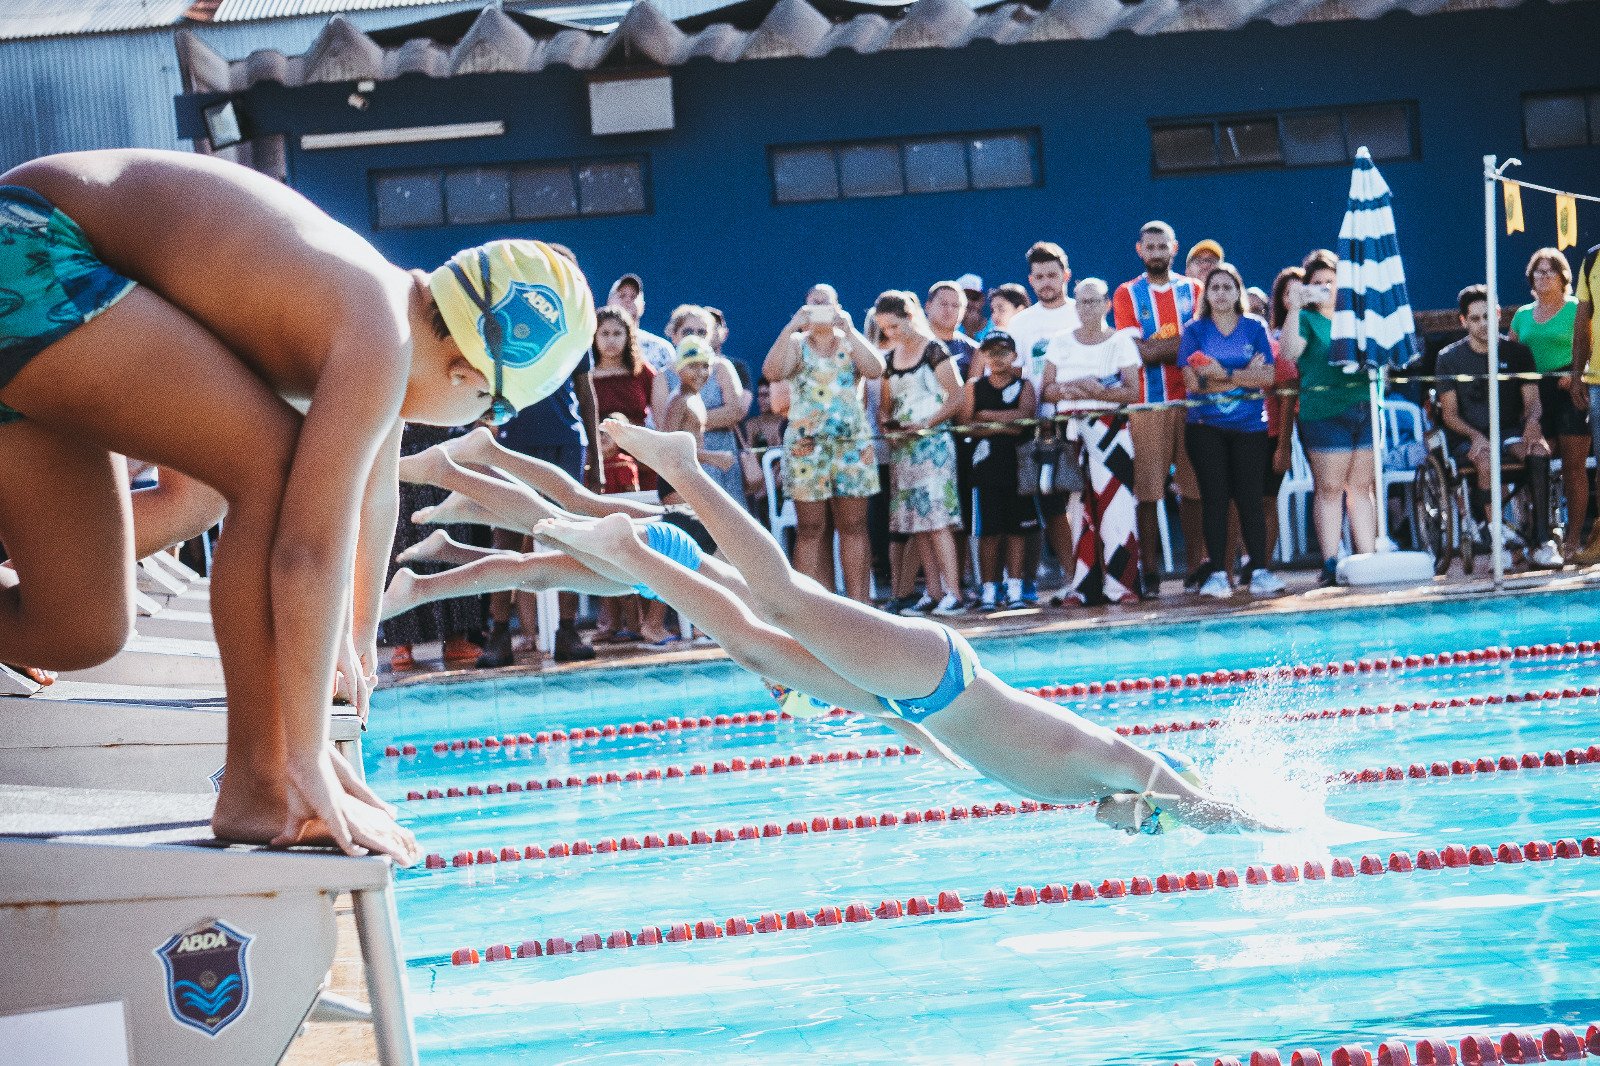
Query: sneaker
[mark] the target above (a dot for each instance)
(987, 600)
(570, 647)
(922, 606)
(1547, 555)
(496, 648)
(1264, 582)
(1216, 586)
(1330, 573)
(1195, 577)
(1030, 590)
(950, 605)
(1014, 593)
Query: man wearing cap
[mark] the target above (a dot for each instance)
(1154, 307)
(975, 320)
(1202, 258)
(205, 317)
(627, 292)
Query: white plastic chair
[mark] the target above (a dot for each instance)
(1294, 497)
(779, 516)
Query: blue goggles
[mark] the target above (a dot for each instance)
(500, 409)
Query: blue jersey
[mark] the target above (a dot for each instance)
(1233, 409)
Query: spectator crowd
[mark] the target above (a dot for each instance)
(951, 451)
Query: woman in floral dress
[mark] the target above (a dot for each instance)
(829, 466)
(924, 393)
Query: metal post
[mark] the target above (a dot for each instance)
(378, 930)
(1375, 383)
(1491, 178)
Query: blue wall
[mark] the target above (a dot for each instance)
(715, 236)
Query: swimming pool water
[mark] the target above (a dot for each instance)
(1132, 980)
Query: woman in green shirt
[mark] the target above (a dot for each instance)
(1335, 417)
(1545, 325)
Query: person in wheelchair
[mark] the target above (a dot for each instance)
(1464, 408)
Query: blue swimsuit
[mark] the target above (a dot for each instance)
(959, 669)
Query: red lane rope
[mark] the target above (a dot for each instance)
(846, 823)
(1558, 1043)
(739, 765)
(1451, 856)
(1389, 664)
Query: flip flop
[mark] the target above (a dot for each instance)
(670, 638)
(625, 636)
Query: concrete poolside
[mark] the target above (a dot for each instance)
(1174, 605)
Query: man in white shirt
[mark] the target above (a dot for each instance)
(1032, 328)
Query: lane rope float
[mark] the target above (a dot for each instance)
(821, 823)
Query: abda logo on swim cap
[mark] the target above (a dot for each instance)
(532, 319)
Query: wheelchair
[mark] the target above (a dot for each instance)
(1444, 522)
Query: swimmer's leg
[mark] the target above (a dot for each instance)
(132, 381)
(66, 602)
(176, 510)
(895, 657)
(480, 449)
(614, 548)
(498, 572)
(515, 505)
(456, 509)
(441, 547)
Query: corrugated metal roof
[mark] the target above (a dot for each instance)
(69, 93)
(250, 10)
(25, 19)
(502, 41)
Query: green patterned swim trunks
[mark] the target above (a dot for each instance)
(50, 281)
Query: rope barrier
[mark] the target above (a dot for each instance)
(512, 743)
(821, 823)
(1094, 414)
(1445, 856)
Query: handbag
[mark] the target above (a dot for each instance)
(1051, 466)
(755, 482)
(1028, 467)
(1066, 463)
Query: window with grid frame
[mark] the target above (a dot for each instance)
(958, 162)
(516, 192)
(1310, 137)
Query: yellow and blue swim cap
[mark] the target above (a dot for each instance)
(693, 350)
(797, 704)
(541, 303)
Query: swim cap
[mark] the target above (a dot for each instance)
(541, 302)
(693, 350)
(796, 703)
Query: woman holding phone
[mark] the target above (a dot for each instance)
(829, 465)
(1335, 417)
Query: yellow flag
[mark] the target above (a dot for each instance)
(1566, 222)
(1513, 194)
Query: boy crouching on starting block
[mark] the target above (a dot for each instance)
(198, 315)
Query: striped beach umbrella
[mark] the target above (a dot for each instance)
(1372, 323)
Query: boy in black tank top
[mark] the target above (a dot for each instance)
(998, 393)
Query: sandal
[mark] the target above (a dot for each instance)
(401, 658)
(460, 649)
